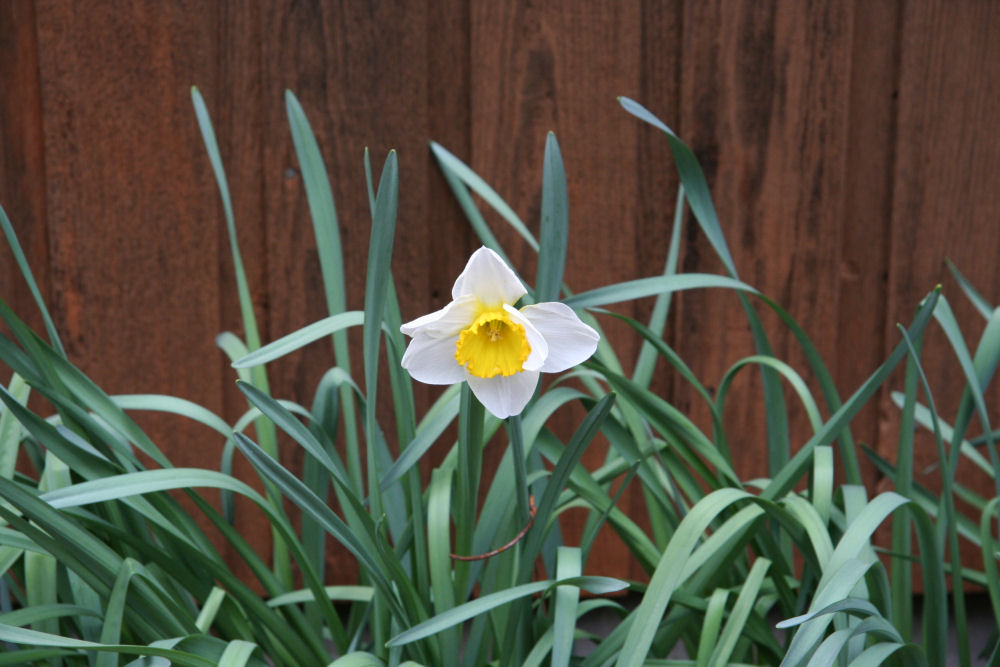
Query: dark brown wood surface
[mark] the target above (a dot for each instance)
(850, 148)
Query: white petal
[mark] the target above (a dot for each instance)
(504, 396)
(570, 341)
(489, 279)
(448, 321)
(432, 360)
(539, 346)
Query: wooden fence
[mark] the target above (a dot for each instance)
(851, 147)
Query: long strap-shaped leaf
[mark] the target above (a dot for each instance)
(783, 482)
(554, 228)
(668, 575)
(699, 198)
(379, 259)
(29, 277)
(452, 617)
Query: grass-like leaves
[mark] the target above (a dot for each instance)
(102, 561)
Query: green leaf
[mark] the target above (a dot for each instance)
(237, 653)
(30, 637)
(781, 483)
(693, 178)
(712, 622)
(115, 608)
(567, 598)
(783, 369)
(439, 558)
(300, 338)
(29, 615)
(328, 244)
(668, 420)
(668, 577)
(10, 428)
(646, 361)
(740, 612)
(981, 304)
(40, 569)
(554, 228)
(322, 210)
(360, 542)
(644, 287)
(215, 158)
(435, 422)
(234, 348)
(22, 264)
(379, 260)
(357, 659)
(485, 603)
(456, 169)
(988, 545)
(578, 443)
(822, 482)
(173, 405)
(286, 421)
(209, 610)
(700, 200)
(338, 593)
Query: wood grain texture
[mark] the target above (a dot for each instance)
(119, 148)
(850, 147)
(230, 84)
(529, 78)
(765, 90)
(22, 160)
(945, 186)
(131, 207)
(865, 231)
(367, 86)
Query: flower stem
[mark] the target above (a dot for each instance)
(470, 459)
(520, 472)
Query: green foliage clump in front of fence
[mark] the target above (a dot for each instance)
(106, 560)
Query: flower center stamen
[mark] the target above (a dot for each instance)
(493, 345)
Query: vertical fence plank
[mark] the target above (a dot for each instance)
(449, 124)
(231, 87)
(134, 275)
(22, 165)
(229, 79)
(867, 205)
(362, 86)
(130, 205)
(945, 201)
(559, 67)
(765, 89)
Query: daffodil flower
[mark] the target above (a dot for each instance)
(482, 339)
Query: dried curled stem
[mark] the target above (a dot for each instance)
(489, 554)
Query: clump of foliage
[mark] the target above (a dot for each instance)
(101, 563)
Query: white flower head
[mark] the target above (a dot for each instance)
(480, 338)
